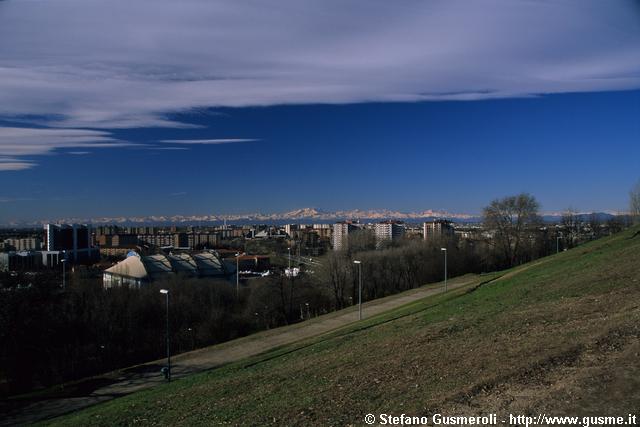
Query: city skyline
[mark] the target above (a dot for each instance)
(221, 108)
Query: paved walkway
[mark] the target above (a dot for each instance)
(109, 386)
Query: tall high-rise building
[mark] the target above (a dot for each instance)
(73, 240)
(388, 230)
(290, 228)
(437, 228)
(341, 232)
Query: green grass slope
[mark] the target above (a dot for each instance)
(559, 336)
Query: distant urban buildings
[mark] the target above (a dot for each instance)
(437, 229)
(117, 240)
(60, 242)
(21, 261)
(268, 233)
(83, 244)
(310, 239)
(323, 231)
(23, 244)
(120, 244)
(203, 240)
(159, 240)
(116, 245)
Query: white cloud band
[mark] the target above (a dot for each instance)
(116, 63)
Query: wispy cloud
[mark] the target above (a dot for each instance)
(64, 63)
(207, 141)
(36, 141)
(179, 193)
(18, 142)
(165, 148)
(16, 166)
(15, 199)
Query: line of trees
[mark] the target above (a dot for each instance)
(517, 234)
(394, 269)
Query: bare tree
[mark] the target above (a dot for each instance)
(634, 203)
(512, 220)
(361, 240)
(336, 272)
(595, 224)
(571, 225)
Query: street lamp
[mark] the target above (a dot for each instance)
(289, 249)
(167, 372)
(558, 243)
(445, 268)
(193, 338)
(359, 288)
(64, 279)
(237, 274)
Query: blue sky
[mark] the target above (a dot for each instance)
(113, 109)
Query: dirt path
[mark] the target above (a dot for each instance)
(109, 386)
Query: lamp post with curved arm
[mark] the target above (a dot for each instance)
(359, 263)
(237, 274)
(445, 268)
(168, 368)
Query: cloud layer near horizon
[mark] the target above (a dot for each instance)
(120, 64)
(116, 63)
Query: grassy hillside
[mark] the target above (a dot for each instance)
(560, 336)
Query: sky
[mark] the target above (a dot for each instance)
(119, 108)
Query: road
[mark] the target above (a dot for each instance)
(119, 383)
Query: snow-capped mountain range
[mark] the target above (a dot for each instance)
(306, 215)
(297, 215)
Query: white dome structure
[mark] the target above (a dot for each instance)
(135, 270)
